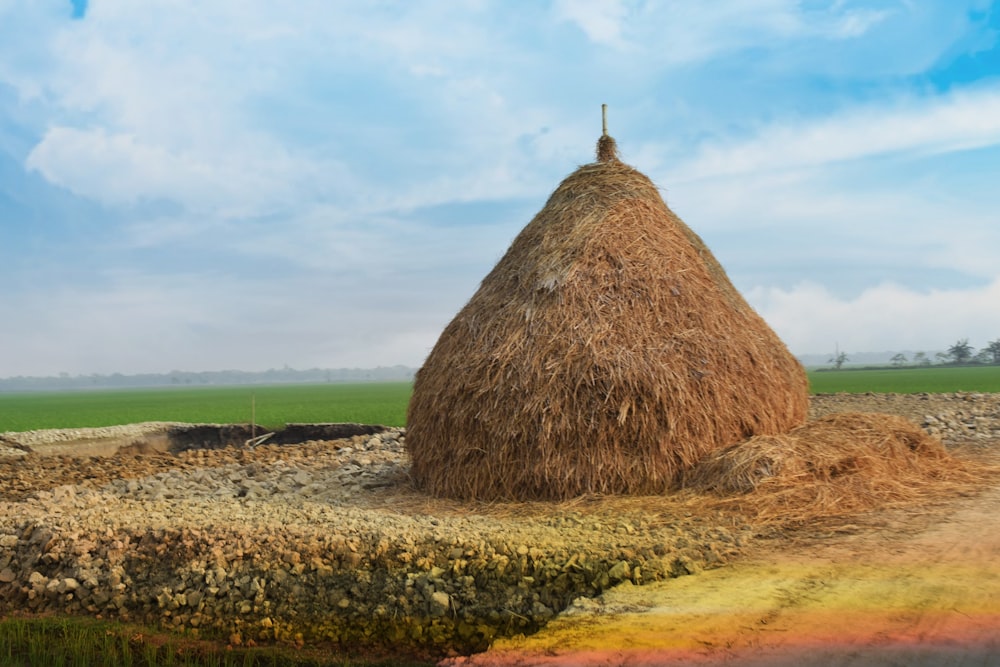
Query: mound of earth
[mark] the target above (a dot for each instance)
(326, 540)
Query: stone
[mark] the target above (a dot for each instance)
(619, 572)
(440, 602)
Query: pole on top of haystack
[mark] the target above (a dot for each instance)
(607, 149)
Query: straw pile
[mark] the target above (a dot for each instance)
(605, 353)
(836, 465)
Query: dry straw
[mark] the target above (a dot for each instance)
(837, 465)
(605, 353)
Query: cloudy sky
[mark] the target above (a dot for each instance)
(247, 184)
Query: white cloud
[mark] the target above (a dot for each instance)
(211, 320)
(881, 217)
(678, 33)
(250, 178)
(600, 20)
(297, 148)
(179, 85)
(887, 317)
(959, 121)
(856, 23)
(174, 101)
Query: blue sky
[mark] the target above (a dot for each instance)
(244, 184)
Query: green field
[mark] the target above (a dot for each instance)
(933, 380)
(372, 403)
(276, 405)
(68, 641)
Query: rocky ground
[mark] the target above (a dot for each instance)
(959, 417)
(326, 540)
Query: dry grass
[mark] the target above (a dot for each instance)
(839, 468)
(606, 353)
(607, 149)
(838, 465)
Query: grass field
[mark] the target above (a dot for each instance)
(933, 380)
(71, 641)
(372, 403)
(276, 405)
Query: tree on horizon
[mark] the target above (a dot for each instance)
(961, 352)
(993, 349)
(838, 359)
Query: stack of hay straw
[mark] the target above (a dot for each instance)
(606, 353)
(840, 464)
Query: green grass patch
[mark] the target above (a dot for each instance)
(70, 641)
(373, 403)
(276, 405)
(933, 380)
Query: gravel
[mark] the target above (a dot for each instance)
(327, 541)
(954, 417)
(323, 541)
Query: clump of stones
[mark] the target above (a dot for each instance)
(965, 417)
(322, 541)
(327, 541)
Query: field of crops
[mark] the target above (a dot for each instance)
(933, 380)
(274, 405)
(371, 403)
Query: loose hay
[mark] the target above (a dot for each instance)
(605, 353)
(607, 149)
(839, 464)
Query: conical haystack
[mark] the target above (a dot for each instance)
(606, 352)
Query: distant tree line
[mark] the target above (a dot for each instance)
(285, 375)
(959, 354)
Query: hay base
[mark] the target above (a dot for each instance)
(840, 464)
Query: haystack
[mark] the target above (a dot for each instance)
(605, 353)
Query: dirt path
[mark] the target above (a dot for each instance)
(919, 589)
